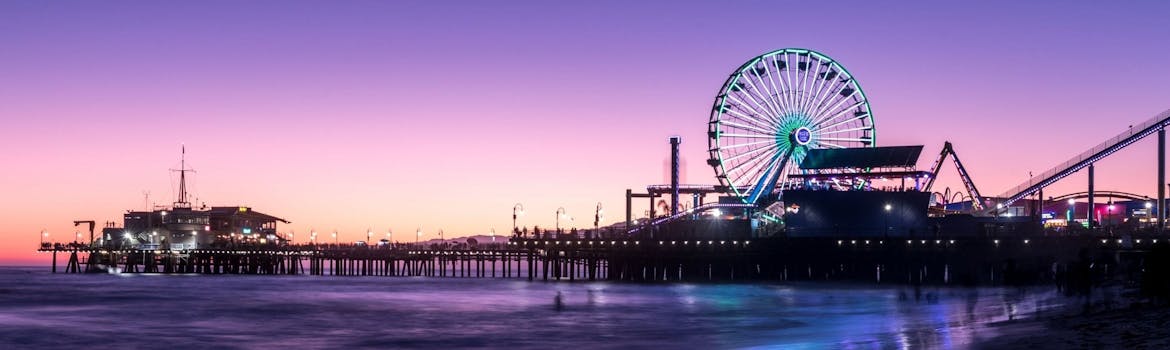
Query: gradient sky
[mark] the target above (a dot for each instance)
(439, 114)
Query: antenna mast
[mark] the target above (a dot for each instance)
(182, 202)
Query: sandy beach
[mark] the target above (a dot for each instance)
(1127, 323)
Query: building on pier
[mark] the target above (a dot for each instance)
(182, 226)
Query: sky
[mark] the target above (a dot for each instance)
(442, 115)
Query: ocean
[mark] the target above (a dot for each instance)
(134, 311)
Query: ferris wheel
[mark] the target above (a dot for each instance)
(776, 107)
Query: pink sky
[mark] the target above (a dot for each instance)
(399, 115)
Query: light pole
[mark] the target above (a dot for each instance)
(78, 234)
(334, 236)
(389, 236)
(1149, 205)
(417, 235)
(516, 207)
(493, 235)
(1071, 206)
(887, 228)
(1109, 215)
(560, 213)
(369, 235)
(313, 236)
(44, 236)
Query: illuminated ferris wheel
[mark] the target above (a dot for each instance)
(776, 107)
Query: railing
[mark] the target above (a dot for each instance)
(691, 211)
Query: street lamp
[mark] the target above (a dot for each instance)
(313, 236)
(1071, 205)
(493, 235)
(334, 236)
(44, 236)
(1149, 205)
(78, 234)
(390, 236)
(516, 207)
(1109, 213)
(417, 235)
(369, 235)
(560, 213)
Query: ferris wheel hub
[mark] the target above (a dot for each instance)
(802, 136)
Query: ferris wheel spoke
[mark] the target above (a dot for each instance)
(755, 153)
(746, 127)
(778, 79)
(792, 90)
(822, 84)
(832, 132)
(777, 91)
(756, 90)
(744, 106)
(825, 97)
(760, 91)
(838, 104)
(842, 122)
(834, 93)
(738, 145)
(840, 112)
(847, 139)
(806, 84)
(749, 136)
(758, 166)
(760, 125)
(759, 172)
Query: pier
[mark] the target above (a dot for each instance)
(939, 261)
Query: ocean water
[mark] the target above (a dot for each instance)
(136, 311)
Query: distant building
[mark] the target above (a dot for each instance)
(189, 228)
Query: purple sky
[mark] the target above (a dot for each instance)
(396, 115)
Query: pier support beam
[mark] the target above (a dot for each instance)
(1160, 206)
(1090, 216)
(629, 203)
(674, 142)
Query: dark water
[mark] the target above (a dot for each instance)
(41, 310)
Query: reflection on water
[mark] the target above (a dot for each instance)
(38, 309)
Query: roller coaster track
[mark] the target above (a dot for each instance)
(1133, 134)
(1100, 194)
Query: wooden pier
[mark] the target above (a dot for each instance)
(892, 260)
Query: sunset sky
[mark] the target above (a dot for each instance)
(443, 115)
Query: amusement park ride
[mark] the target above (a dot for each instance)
(792, 131)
